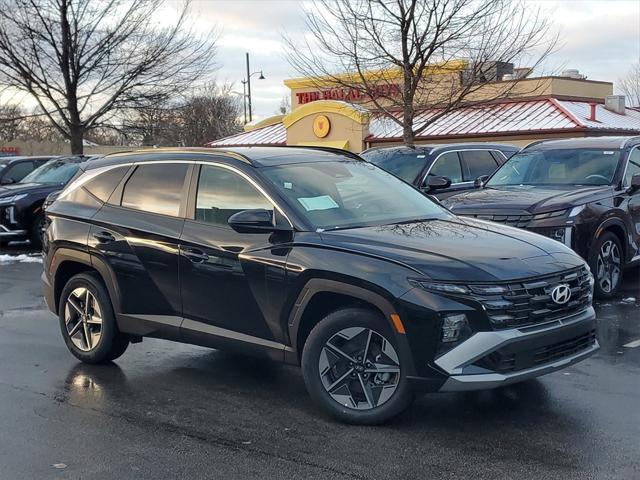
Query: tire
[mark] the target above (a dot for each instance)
(606, 268)
(4, 244)
(105, 343)
(36, 232)
(387, 394)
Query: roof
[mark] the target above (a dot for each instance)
(545, 115)
(613, 143)
(428, 148)
(256, 156)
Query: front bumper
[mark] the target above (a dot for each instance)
(497, 358)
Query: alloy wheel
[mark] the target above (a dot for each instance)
(83, 319)
(359, 368)
(609, 266)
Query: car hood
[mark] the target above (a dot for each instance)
(459, 249)
(20, 188)
(525, 199)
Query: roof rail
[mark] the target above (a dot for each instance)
(535, 142)
(628, 140)
(347, 153)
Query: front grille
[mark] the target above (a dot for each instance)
(529, 302)
(520, 221)
(507, 361)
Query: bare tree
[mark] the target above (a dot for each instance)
(630, 85)
(201, 116)
(84, 61)
(285, 106)
(18, 124)
(402, 55)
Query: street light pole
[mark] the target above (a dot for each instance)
(249, 87)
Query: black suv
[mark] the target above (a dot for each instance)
(14, 169)
(310, 256)
(21, 212)
(583, 192)
(441, 170)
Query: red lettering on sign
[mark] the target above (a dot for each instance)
(349, 94)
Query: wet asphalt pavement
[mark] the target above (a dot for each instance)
(166, 410)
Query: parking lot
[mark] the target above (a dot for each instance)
(166, 410)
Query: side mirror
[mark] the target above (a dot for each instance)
(436, 182)
(635, 183)
(254, 221)
(7, 181)
(480, 181)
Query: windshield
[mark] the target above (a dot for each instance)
(407, 166)
(3, 164)
(558, 167)
(54, 171)
(350, 194)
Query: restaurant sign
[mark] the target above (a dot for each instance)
(347, 94)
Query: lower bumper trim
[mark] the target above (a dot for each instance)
(460, 383)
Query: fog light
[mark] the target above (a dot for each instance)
(557, 234)
(453, 326)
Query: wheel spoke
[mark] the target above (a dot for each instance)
(71, 301)
(339, 381)
(87, 336)
(75, 328)
(382, 369)
(366, 391)
(366, 346)
(340, 352)
(87, 299)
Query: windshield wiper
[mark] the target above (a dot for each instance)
(414, 220)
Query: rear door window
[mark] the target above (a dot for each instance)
(477, 163)
(448, 165)
(156, 188)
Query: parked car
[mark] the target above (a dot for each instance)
(314, 257)
(424, 165)
(21, 213)
(583, 192)
(14, 169)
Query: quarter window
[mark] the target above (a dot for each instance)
(448, 165)
(104, 184)
(156, 188)
(633, 167)
(222, 192)
(477, 163)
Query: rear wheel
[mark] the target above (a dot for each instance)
(87, 321)
(36, 234)
(352, 368)
(606, 262)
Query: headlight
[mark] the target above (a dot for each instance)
(544, 216)
(9, 200)
(444, 287)
(576, 210)
(455, 330)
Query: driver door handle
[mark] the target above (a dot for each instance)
(195, 255)
(104, 237)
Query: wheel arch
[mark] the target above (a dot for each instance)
(616, 226)
(320, 297)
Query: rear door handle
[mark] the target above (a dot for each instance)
(195, 255)
(104, 237)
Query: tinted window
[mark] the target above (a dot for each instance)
(222, 192)
(477, 163)
(156, 188)
(350, 194)
(633, 166)
(558, 167)
(406, 165)
(54, 171)
(448, 165)
(18, 171)
(104, 184)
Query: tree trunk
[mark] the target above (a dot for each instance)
(407, 126)
(76, 137)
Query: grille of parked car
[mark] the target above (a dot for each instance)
(530, 302)
(505, 362)
(520, 221)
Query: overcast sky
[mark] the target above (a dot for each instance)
(601, 38)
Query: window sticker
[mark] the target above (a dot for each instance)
(288, 185)
(421, 156)
(323, 202)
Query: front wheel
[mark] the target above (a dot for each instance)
(606, 262)
(352, 368)
(87, 321)
(36, 234)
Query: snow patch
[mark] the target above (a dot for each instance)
(629, 300)
(20, 259)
